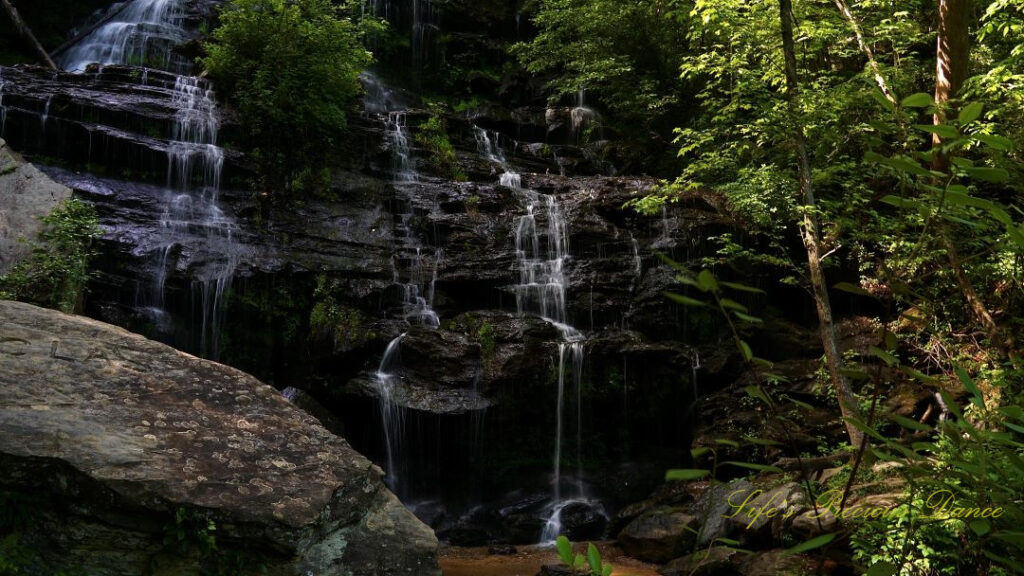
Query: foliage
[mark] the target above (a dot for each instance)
(624, 55)
(291, 69)
(433, 135)
(330, 318)
(485, 335)
(590, 564)
(55, 274)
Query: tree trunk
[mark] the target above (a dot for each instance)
(848, 405)
(847, 15)
(26, 33)
(951, 58)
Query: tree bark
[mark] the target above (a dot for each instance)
(951, 58)
(848, 405)
(847, 15)
(26, 34)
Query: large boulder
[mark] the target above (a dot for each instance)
(122, 447)
(26, 195)
(659, 535)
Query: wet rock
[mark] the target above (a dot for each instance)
(113, 433)
(311, 406)
(26, 195)
(659, 535)
(502, 550)
(583, 520)
(717, 561)
(555, 570)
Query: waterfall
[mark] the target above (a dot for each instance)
(144, 32)
(391, 413)
(638, 263)
(45, 115)
(418, 293)
(542, 291)
(136, 32)
(403, 167)
(384, 103)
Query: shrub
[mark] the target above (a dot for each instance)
(433, 136)
(291, 69)
(56, 272)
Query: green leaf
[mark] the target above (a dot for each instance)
(899, 202)
(811, 544)
(684, 300)
(732, 305)
(883, 355)
(741, 287)
(855, 374)
(747, 317)
(970, 386)
(698, 452)
(685, 474)
(970, 113)
(995, 142)
(908, 423)
(981, 526)
(859, 425)
(607, 570)
(727, 442)
(706, 281)
(745, 349)
(919, 100)
(908, 166)
(882, 569)
(579, 562)
(882, 100)
(758, 393)
(594, 557)
(853, 289)
(762, 441)
(943, 130)
(564, 550)
(988, 174)
(758, 467)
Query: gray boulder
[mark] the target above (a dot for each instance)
(113, 440)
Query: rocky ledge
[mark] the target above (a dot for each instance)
(123, 451)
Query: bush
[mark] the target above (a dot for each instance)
(291, 69)
(56, 272)
(433, 136)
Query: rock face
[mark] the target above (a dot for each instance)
(26, 195)
(108, 435)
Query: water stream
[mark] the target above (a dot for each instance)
(145, 32)
(542, 251)
(137, 32)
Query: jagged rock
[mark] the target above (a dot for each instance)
(659, 535)
(109, 434)
(764, 514)
(26, 195)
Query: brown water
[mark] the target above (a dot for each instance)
(527, 561)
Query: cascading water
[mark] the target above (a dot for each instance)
(542, 291)
(418, 293)
(136, 32)
(145, 32)
(391, 413)
(403, 166)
